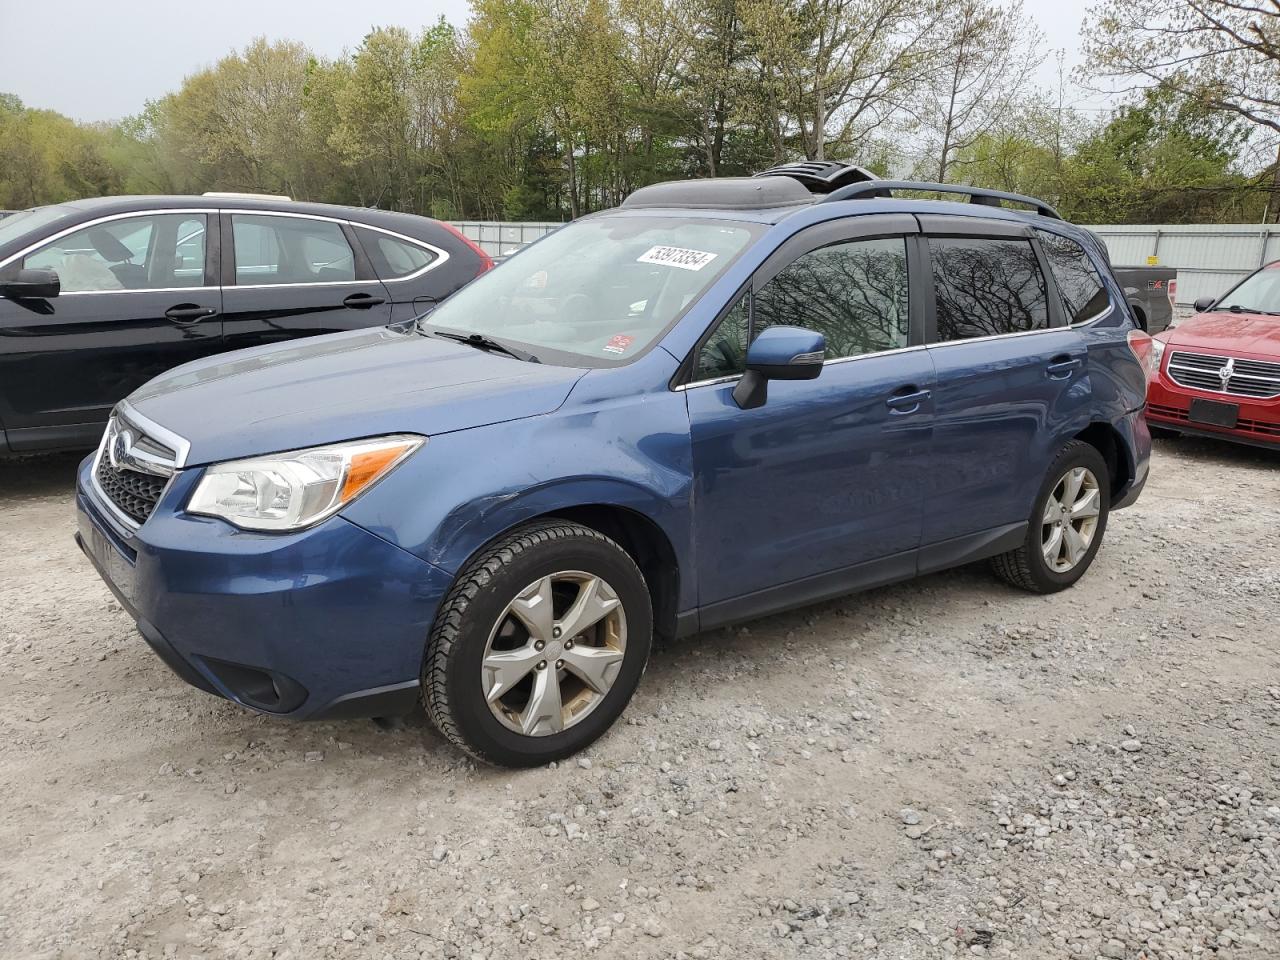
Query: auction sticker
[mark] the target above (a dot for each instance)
(681, 257)
(618, 344)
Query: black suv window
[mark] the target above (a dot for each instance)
(1083, 295)
(987, 287)
(854, 294)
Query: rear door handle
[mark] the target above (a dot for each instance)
(1062, 367)
(185, 313)
(362, 301)
(908, 400)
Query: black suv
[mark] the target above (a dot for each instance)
(98, 296)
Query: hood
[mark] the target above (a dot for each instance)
(339, 387)
(1228, 333)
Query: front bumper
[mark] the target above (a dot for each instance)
(1169, 406)
(329, 622)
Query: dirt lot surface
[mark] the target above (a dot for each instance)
(946, 767)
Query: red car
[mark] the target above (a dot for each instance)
(1218, 374)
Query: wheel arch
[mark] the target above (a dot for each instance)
(1104, 438)
(626, 516)
(648, 546)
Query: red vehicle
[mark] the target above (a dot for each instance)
(1218, 374)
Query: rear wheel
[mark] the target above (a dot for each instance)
(1066, 526)
(538, 646)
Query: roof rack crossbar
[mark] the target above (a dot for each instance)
(884, 188)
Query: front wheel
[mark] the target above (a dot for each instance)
(538, 646)
(1067, 523)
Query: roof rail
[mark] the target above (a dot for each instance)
(979, 195)
(820, 176)
(244, 196)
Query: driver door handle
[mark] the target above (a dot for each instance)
(186, 313)
(908, 400)
(362, 301)
(1062, 367)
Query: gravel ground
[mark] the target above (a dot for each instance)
(938, 768)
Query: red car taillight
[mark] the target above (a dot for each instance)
(486, 261)
(1144, 352)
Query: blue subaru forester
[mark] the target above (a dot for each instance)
(722, 399)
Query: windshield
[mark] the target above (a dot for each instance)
(1259, 293)
(19, 224)
(597, 292)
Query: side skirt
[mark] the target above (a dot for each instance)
(854, 579)
(972, 547)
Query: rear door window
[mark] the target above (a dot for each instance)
(287, 250)
(1084, 297)
(987, 287)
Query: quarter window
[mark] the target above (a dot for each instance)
(273, 250)
(1084, 297)
(725, 352)
(393, 258)
(153, 252)
(854, 294)
(987, 287)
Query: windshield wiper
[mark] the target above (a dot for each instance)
(1236, 308)
(481, 342)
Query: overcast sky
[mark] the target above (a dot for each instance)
(94, 60)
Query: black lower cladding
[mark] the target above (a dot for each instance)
(134, 494)
(255, 687)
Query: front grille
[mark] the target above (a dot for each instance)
(134, 494)
(132, 474)
(1256, 379)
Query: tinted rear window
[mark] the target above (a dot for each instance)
(1084, 297)
(987, 287)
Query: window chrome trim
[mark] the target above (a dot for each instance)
(99, 293)
(85, 224)
(715, 381)
(441, 255)
(1081, 324)
(997, 336)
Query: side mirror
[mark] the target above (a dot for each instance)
(779, 353)
(1203, 304)
(31, 285)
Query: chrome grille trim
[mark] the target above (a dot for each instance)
(1232, 376)
(154, 455)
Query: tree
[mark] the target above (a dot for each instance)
(830, 72)
(1165, 159)
(1225, 54)
(987, 55)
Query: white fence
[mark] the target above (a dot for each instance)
(1209, 258)
(501, 239)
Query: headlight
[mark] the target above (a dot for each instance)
(1157, 354)
(289, 491)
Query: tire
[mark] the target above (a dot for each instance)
(480, 621)
(1027, 567)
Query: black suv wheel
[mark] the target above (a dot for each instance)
(538, 646)
(1067, 523)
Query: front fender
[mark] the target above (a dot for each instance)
(464, 489)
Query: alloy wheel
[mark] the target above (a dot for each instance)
(554, 653)
(1070, 519)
